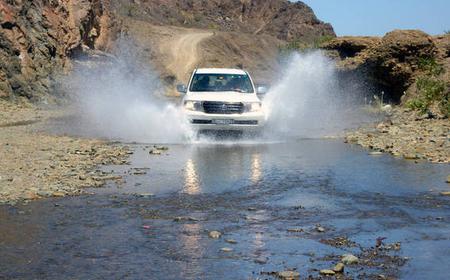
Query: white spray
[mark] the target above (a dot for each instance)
(123, 100)
(308, 101)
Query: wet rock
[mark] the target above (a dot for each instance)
(214, 234)
(231, 241)
(320, 228)
(349, 259)
(161, 148)
(339, 267)
(261, 260)
(288, 275)
(448, 179)
(226, 249)
(376, 153)
(411, 156)
(108, 178)
(190, 219)
(327, 272)
(146, 195)
(58, 194)
(44, 193)
(445, 193)
(295, 230)
(155, 152)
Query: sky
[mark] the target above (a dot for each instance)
(377, 17)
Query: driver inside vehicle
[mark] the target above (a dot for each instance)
(203, 83)
(235, 84)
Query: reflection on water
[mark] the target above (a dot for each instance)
(256, 171)
(216, 166)
(191, 185)
(192, 246)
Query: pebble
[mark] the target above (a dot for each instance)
(375, 153)
(261, 260)
(320, 229)
(44, 193)
(226, 249)
(448, 179)
(445, 193)
(231, 241)
(214, 234)
(410, 156)
(155, 152)
(327, 272)
(161, 148)
(288, 275)
(58, 194)
(338, 267)
(145, 194)
(349, 259)
(295, 230)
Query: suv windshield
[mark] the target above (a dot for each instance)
(221, 82)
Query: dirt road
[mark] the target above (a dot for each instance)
(184, 54)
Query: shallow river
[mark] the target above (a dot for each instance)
(298, 205)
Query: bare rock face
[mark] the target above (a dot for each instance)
(280, 18)
(391, 62)
(39, 37)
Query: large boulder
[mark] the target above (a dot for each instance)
(391, 63)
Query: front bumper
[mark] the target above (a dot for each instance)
(251, 121)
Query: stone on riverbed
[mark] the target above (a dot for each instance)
(214, 234)
(155, 152)
(349, 259)
(226, 249)
(338, 267)
(327, 272)
(288, 275)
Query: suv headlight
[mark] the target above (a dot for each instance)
(193, 105)
(253, 107)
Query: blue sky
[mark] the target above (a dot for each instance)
(376, 17)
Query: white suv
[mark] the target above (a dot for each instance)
(223, 99)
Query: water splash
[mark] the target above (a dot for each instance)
(309, 101)
(122, 100)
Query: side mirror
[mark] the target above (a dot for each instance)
(261, 90)
(181, 88)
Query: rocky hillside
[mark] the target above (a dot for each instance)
(39, 37)
(280, 18)
(411, 67)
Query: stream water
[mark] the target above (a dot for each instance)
(269, 198)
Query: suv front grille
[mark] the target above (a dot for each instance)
(213, 107)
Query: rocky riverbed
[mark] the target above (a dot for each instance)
(407, 134)
(34, 164)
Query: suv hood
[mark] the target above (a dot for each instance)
(225, 96)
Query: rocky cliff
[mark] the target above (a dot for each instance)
(39, 37)
(410, 66)
(281, 18)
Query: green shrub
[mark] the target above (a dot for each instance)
(417, 104)
(429, 65)
(430, 90)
